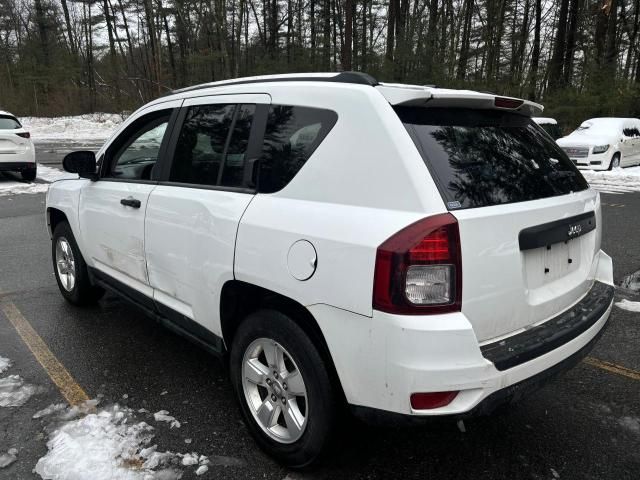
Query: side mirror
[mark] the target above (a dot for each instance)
(83, 163)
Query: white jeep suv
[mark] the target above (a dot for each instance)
(406, 251)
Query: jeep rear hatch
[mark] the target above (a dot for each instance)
(526, 216)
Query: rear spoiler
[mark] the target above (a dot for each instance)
(421, 96)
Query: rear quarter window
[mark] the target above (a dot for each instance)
(8, 122)
(480, 158)
(291, 136)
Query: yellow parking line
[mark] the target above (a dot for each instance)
(56, 371)
(613, 368)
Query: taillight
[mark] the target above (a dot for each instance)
(24, 135)
(419, 269)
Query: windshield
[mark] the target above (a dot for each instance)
(488, 157)
(9, 123)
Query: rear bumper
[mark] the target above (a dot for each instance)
(505, 396)
(16, 166)
(18, 160)
(382, 360)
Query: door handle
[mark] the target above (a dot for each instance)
(130, 202)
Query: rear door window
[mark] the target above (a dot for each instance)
(8, 122)
(292, 135)
(489, 157)
(212, 145)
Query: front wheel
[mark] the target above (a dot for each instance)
(70, 268)
(284, 388)
(615, 161)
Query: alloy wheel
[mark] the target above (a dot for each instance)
(65, 264)
(275, 390)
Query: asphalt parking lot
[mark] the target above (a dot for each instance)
(583, 425)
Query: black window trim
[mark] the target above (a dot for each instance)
(106, 161)
(254, 147)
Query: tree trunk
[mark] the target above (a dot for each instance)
(394, 6)
(571, 42)
(535, 54)
(348, 34)
(464, 44)
(67, 21)
(611, 52)
(560, 45)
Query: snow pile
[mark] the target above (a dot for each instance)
(163, 416)
(618, 180)
(10, 186)
(14, 392)
(5, 363)
(49, 174)
(109, 444)
(628, 305)
(630, 423)
(49, 410)
(93, 126)
(11, 456)
(13, 187)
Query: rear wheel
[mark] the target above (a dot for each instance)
(29, 175)
(70, 268)
(284, 388)
(615, 161)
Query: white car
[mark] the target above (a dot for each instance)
(17, 153)
(604, 143)
(407, 251)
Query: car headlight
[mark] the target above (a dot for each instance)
(600, 148)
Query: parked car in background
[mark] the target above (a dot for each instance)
(604, 143)
(549, 125)
(404, 251)
(17, 153)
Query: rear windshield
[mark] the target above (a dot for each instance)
(9, 123)
(489, 157)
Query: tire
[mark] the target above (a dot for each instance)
(29, 175)
(304, 446)
(78, 290)
(615, 161)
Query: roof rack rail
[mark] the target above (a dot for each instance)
(359, 78)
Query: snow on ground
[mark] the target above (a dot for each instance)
(14, 392)
(628, 305)
(5, 363)
(10, 185)
(93, 126)
(163, 416)
(618, 180)
(630, 423)
(9, 457)
(109, 444)
(49, 410)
